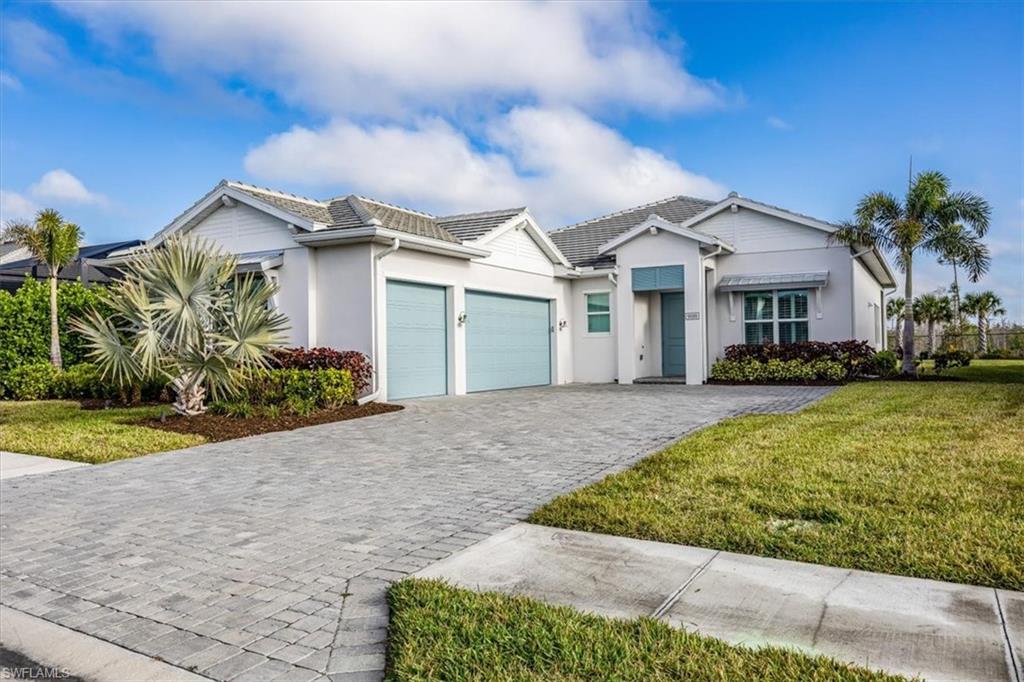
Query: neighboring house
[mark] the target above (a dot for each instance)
(18, 264)
(481, 301)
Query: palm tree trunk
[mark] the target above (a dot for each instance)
(931, 336)
(189, 394)
(956, 304)
(982, 333)
(54, 328)
(908, 318)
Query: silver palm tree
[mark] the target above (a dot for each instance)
(181, 314)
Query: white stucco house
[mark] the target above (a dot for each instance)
(482, 301)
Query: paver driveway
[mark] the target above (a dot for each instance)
(269, 557)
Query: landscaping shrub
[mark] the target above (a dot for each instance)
(357, 364)
(35, 381)
(25, 322)
(751, 370)
(297, 391)
(853, 355)
(944, 359)
(885, 364)
(83, 381)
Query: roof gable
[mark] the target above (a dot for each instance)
(580, 242)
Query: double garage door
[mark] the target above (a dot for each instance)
(508, 341)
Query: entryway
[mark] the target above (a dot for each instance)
(673, 334)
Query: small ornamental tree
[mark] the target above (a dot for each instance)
(932, 309)
(183, 315)
(983, 305)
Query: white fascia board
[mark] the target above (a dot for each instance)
(878, 266)
(661, 224)
(757, 206)
(184, 222)
(373, 233)
(536, 233)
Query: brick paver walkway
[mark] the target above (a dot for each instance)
(269, 557)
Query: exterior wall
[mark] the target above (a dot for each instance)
(458, 275)
(594, 358)
(868, 319)
(831, 323)
(752, 231)
(343, 300)
(244, 229)
(649, 250)
(516, 249)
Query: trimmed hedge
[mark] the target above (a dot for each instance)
(853, 355)
(25, 323)
(944, 359)
(751, 370)
(42, 381)
(296, 391)
(357, 364)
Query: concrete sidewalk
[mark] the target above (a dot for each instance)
(13, 464)
(940, 631)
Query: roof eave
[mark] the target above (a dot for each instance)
(385, 235)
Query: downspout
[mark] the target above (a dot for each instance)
(374, 341)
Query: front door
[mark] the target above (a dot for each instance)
(673, 334)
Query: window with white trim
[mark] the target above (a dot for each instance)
(775, 316)
(599, 312)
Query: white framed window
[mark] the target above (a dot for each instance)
(599, 312)
(775, 316)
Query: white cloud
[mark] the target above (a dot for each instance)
(558, 161)
(9, 80)
(385, 58)
(61, 186)
(777, 123)
(14, 206)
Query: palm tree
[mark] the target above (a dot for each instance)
(983, 305)
(181, 314)
(913, 225)
(960, 246)
(54, 242)
(894, 310)
(931, 309)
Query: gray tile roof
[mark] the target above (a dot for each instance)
(469, 226)
(311, 209)
(579, 242)
(402, 219)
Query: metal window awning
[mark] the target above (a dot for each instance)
(259, 261)
(789, 280)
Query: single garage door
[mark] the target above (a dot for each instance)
(417, 340)
(508, 341)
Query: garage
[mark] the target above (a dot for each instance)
(417, 340)
(508, 341)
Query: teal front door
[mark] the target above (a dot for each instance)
(508, 341)
(673, 334)
(417, 340)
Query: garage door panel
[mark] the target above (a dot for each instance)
(508, 342)
(417, 343)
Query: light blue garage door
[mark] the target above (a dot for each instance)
(508, 341)
(417, 340)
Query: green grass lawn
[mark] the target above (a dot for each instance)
(921, 479)
(62, 429)
(988, 371)
(438, 632)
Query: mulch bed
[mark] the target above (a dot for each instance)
(216, 427)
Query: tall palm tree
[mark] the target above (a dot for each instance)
(182, 315)
(54, 242)
(894, 310)
(911, 226)
(960, 246)
(983, 305)
(932, 309)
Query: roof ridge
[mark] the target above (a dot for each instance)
(496, 211)
(277, 193)
(394, 206)
(631, 209)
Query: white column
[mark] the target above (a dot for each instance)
(693, 284)
(457, 341)
(623, 316)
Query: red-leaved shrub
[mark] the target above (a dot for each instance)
(356, 363)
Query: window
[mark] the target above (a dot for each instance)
(775, 317)
(599, 315)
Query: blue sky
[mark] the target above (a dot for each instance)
(122, 115)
